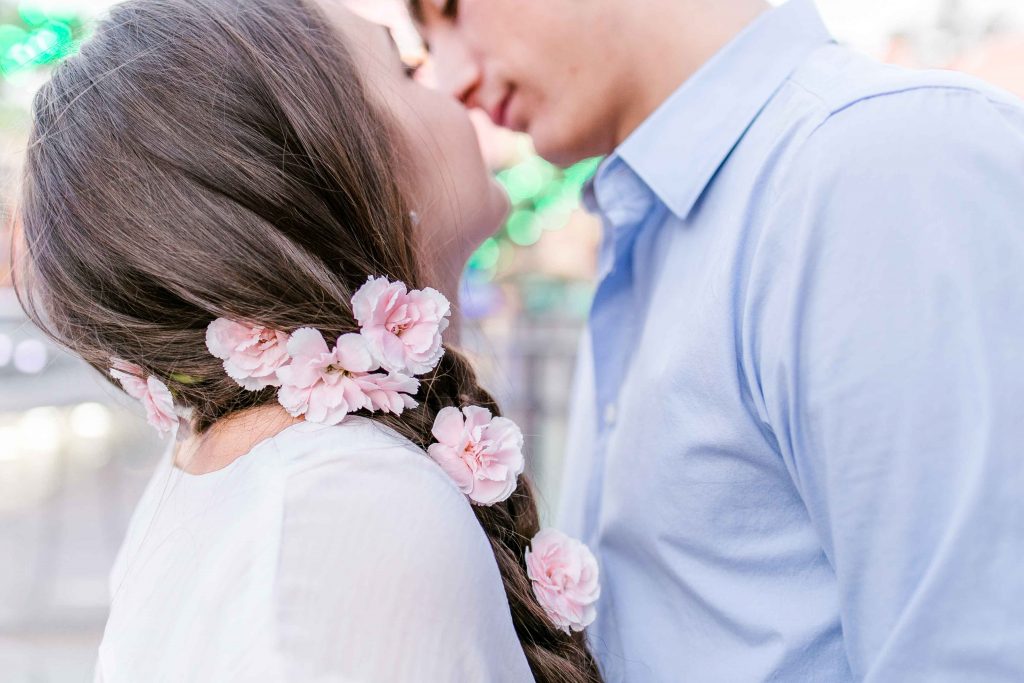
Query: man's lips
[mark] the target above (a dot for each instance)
(499, 113)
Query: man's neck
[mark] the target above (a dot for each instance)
(667, 41)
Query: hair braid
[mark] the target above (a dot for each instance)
(510, 526)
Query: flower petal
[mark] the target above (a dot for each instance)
(453, 465)
(353, 353)
(448, 426)
(568, 597)
(306, 343)
(223, 336)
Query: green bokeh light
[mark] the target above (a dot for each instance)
(527, 179)
(580, 173)
(32, 14)
(523, 228)
(486, 257)
(546, 194)
(42, 46)
(37, 12)
(10, 36)
(46, 37)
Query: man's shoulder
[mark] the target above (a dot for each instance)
(837, 78)
(842, 111)
(876, 156)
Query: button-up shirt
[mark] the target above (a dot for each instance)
(797, 444)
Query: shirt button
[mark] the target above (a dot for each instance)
(609, 414)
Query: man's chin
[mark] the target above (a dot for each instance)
(560, 150)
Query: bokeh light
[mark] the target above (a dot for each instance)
(49, 31)
(90, 421)
(6, 349)
(523, 228)
(30, 356)
(487, 256)
(40, 430)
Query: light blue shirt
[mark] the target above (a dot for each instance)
(797, 446)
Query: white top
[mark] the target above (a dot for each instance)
(324, 555)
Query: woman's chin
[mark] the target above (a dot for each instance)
(502, 207)
(488, 216)
(493, 219)
(483, 220)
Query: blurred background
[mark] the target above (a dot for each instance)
(74, 455)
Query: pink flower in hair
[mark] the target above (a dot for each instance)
(152, 393)
(403, 327)
(481, 453)
(327, 384)
(391, 393)
(252, 354)
(565, 579)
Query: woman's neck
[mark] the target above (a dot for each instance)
(446, 277)
(230, 438)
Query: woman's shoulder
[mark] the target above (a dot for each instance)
(363, 478)
(384, 571)
(358, 453)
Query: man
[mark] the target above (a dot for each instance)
(799, 414)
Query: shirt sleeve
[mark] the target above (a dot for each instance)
(884, 343)
(386, 575)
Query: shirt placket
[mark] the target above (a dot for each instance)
(624, 204)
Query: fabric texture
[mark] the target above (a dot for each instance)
(324, 555)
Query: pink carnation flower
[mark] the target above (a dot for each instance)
(391, 393)
(152, 393)
(481, 453)
(326, 384)
(565, 579)
(252, 354)
(403, 328)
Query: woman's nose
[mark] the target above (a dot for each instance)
(458, 73)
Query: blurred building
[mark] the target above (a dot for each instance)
(73, 461)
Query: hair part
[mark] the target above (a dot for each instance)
(217, 158)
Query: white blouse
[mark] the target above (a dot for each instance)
(324, 555)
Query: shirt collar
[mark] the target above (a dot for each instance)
(679, 148)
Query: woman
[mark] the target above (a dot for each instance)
(234, 208)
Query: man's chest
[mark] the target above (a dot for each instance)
(678, 449)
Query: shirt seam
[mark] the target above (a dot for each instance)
(827, 113)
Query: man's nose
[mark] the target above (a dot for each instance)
(458, 73)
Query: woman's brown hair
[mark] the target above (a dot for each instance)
(220, 158)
